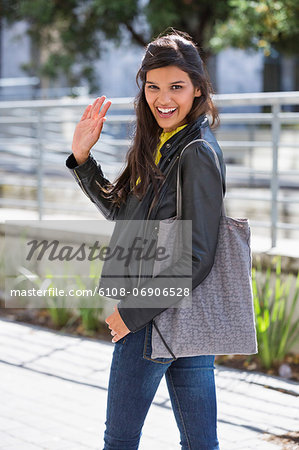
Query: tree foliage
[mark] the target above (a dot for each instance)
(63, 35)
(68, 35)
(259, 24)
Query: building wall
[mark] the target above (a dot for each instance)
(117, 69)
(15, 50)
(239, 71)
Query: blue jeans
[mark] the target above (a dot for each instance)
(134, 380)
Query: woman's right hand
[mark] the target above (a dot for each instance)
(88, 130)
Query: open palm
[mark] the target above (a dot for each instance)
(88, 130)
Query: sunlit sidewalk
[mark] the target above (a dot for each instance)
(53, 396)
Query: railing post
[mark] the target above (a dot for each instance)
(39, 161)
(274, 178)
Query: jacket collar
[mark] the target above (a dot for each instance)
(193, 127)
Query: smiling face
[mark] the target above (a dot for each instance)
(169, 93)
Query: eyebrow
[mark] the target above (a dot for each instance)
(174, 82)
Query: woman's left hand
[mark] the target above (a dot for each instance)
(117, 326)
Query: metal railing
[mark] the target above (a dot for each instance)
(35, 138)
(17, 88)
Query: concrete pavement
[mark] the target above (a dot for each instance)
(53, 390)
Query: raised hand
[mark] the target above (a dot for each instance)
(88, 130)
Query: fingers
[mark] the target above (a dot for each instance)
(96, 104)
(104, 109)
(93, 111)
(96, 107)
(86, 112)
(90, 113)
(99, 125)
(117, 337)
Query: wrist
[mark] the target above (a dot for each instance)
(80, 158)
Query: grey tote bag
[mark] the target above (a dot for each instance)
(221, 317)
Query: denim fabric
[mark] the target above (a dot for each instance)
(134, 379)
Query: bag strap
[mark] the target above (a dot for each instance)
(169, 168)
(179, 189)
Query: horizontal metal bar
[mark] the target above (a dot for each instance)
(24, 140)
(19, 81)
(287, 226)
(258, 118)
(127, 142)
(234, 118)
(255, 144)
(13, 120)
(18, 202)
(280, 225)
(54, 184)
(264, 198)
(257, 98)
(127, 103)
(245, 144)
(12, 142)
(125, 118)
(34, 205)
(234, 168)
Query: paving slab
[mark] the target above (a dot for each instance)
(53, 395)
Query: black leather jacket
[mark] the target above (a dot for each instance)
(202, 192)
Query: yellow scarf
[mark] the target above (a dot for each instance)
(165, 135)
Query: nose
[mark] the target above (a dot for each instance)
(164, 98)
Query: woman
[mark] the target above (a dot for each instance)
(171, 108)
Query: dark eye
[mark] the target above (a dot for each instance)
(177, 86)
(152, 86)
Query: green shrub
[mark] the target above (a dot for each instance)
(90, 315)
(60, 314)
(277, 329)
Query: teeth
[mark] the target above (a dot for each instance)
(165, 111)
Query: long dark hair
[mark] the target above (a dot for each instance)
(174, 49)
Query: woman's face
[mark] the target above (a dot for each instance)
(169, 93)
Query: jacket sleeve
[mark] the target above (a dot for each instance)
(201, 202)
(89, 177)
